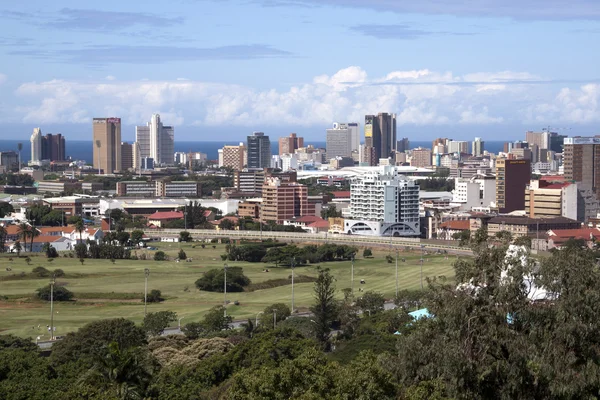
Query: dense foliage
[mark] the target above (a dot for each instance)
(214, 280)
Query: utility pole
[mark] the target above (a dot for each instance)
(422, 267)
(146, 274)
(225, 290)
(396, 273)
(52, 282)
(352, 275)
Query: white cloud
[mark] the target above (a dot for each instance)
(420, 97)
(110, 78)
(2, 78)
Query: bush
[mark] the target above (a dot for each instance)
(60, 293)
(154, 296)
(59, 272)
(213, 280)
(41, 272)
(181, 255)
(389, 259)
(160, 256)
(155, 323)
(80, 250)
(367, 253)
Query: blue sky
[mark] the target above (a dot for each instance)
(221, 69)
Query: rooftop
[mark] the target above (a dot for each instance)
(162, 215)
(524, 220)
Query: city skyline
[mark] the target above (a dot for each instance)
(485, 70)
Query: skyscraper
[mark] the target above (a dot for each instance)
(156, 141)
(512, 177)
(403, 145)
(380, 134)
(287, 145)
(354, 130)
(338, 141)
(458, 146)
(36, 145)
(477, 147)
(107, 144)
(259, 150)
(126, 156)
(581, 161)
(234, 157)
(53, 147)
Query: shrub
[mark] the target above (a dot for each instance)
(154, 296)
(60, 293)
(181, 255)
(41, 272)
(213, 280)
(367, 253)
(59, 272)
(160, 256)
(389, 259)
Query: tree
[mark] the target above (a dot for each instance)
(74, 219)
(185, 236)
(155, 296)
(81, 250)
(123, 238)
(18, 248)
(60, 293)
(367, 253)
(463, 237)
(49, 250)
(215, 319)
(160, 256)
(331, 212)
(137, 236)
(80, 227)
(155, 323)
(371, 302)
(325, 308)
(214, 280)
(121, 374)
(3, 235)
(5, 209)
(181, 255)
(91, 338)
(226, 224)
(24, 232)
(278, 311)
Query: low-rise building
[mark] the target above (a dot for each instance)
(160, 218)
(525, 226)
(87, 207)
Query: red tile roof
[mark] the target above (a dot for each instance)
(162, 215)
(457, 225)
(319, 224)
(307, 219)
(583, 233)
(556, 185)
(552, 178)
(342, 194)
(44, 239)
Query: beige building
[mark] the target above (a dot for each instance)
(543, 199)
(107, 144)
(235, 157)
(289, 144)
(421, 158)
(283, 201)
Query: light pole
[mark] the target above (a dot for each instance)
(352, 275)
(146, 274)
(225, 290)
(293, 263)
(179, 323)
(422, 266)
(274, 319)
(256, 321)
(52, 282)
(396, 273)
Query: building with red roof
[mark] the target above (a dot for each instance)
(160, 218)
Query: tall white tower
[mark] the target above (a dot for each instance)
(36, 145)
(156, 141)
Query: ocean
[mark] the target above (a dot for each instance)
(83, 149)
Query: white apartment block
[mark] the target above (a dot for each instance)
(156, 141)
(383, 203)
(476, 191)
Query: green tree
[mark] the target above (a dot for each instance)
(3, 235)
(81, 250)
(278, 311)
(24, 231)
(181, 255)
(155, 323)
(60, 293)
(367, 253)
(155, 296)
(226, 224)
(160, 256)
(331, 212)
(137, 236)
(214, 280)
(371, 302)
(463, 237)
(185, 236)
(5, 209)
(215, 319)
(74, 219)
(325, 308)
(80, 227)
(18, 248)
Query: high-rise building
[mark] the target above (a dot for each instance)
(403, 145)
(234, 157)
(53, 147)
(283, 201)
(421, 158)
(135, 154)
(338, 141)
(289, 144)
(383, 203)
(107, 144)
(440, 145)
(512, 177)
(259, 150)
(380, 134)
(36, 146)
(557, 142)
(457, 146)
(156, 141)
(581, 161)
(541, 139)
(549, 199)
(126, 156)
(9, 160)
(477, 147)
(354, 131)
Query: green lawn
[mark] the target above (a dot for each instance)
(21, 315)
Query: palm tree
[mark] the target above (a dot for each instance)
(33, 234)
(123, 374)
(3, 235)
(79, 227)
(18, 248)
(24, 232)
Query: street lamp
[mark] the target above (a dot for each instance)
(225, 290)
(146, 274)
(293, 264)
(396, 273)
(52, 282)
(256, 321)
(422, 247)
(352, 275)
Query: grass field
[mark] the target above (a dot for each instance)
(105, 290)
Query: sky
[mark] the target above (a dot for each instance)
(221, 69)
